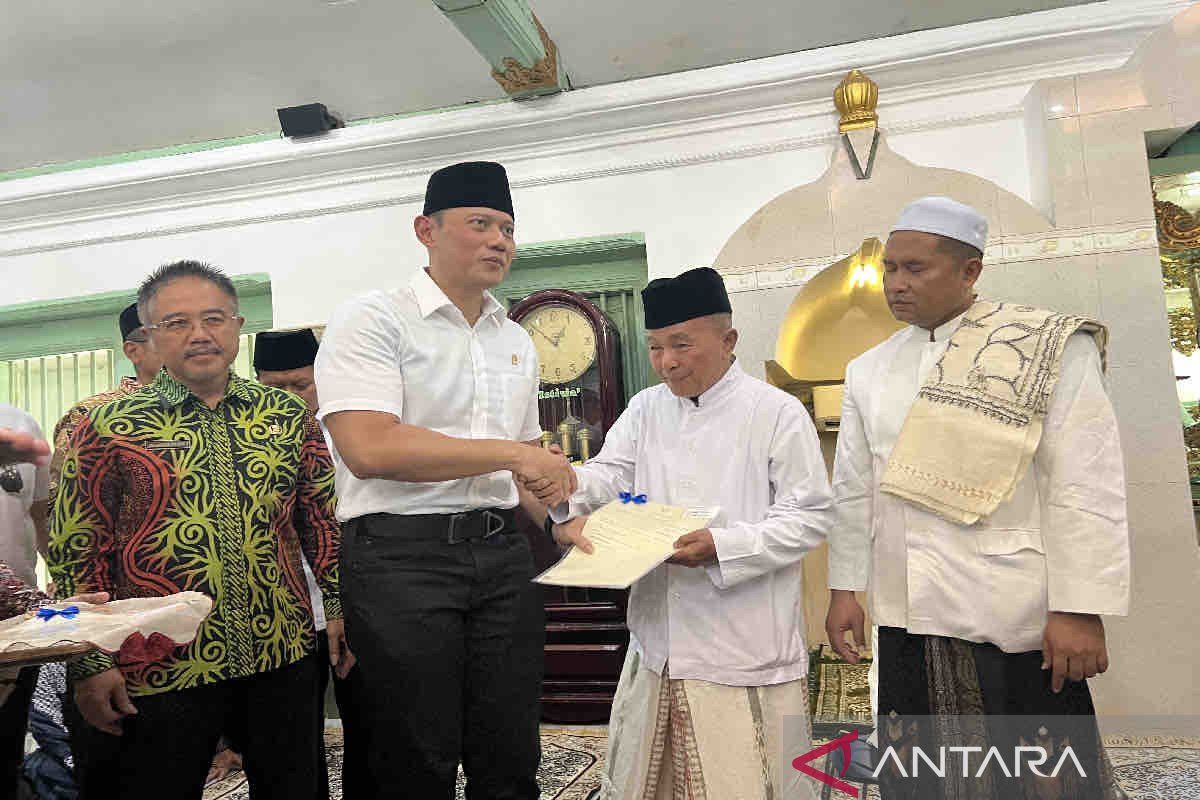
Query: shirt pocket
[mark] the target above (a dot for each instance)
(1009, 541)
(1013, 564)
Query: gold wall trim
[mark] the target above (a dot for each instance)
(519, 79)
(1178, 228)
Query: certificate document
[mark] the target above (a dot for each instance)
(630, 539)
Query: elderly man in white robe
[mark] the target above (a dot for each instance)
(981, 499)
(712, 701)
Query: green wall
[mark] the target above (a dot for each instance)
(69, 325)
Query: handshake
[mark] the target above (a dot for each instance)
(546, 474)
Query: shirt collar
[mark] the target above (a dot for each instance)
(942, 332)
(174, 393)
(719, 390)
(430, 298)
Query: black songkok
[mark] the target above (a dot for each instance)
(695, 293)
(279, 351)
(471, 184)
(129, 322)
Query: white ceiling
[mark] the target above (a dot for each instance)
(87, 78)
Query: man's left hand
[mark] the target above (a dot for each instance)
(340, 656)
(1073, 647)
(695, 549)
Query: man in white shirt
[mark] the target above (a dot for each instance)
(24, 532)
(712, 701)
(24, 489)
(989, 566)
(429, 393)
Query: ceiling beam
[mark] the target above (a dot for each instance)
(524, 59)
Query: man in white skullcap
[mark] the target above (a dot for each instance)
(981, 501)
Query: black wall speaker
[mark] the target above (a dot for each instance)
(307, 120)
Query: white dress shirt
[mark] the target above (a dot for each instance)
(410, 353)
(1060, 543)
(18, 539)
(752, 450)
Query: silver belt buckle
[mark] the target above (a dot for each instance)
(456, 521)
(494, 523)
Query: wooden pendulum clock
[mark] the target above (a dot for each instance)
(580, 395)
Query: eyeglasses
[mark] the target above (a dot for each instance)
(181, 326)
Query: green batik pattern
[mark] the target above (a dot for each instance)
(205, 500)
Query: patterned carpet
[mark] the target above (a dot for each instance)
(572, 758)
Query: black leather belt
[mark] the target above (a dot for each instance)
(479, 523)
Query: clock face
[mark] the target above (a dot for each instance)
(564, 339)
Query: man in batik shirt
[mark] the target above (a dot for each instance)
(208, 482)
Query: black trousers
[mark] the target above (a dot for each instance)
(14, 720)
(348, 695)
(449, 640)
(167, 747)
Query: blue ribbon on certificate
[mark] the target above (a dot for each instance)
(47, 614)
(636, 499)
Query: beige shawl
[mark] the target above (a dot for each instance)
(976, 423)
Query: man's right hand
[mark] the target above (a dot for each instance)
(103, 701)
(547, 475)
(845, 615)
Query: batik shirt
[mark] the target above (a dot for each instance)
(70, 421)
(161, 494)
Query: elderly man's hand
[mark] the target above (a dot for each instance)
(695, 549)
(570, 533)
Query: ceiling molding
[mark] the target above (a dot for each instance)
(947, 76)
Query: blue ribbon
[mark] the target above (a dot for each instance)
(636, 499)
(47, 613)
